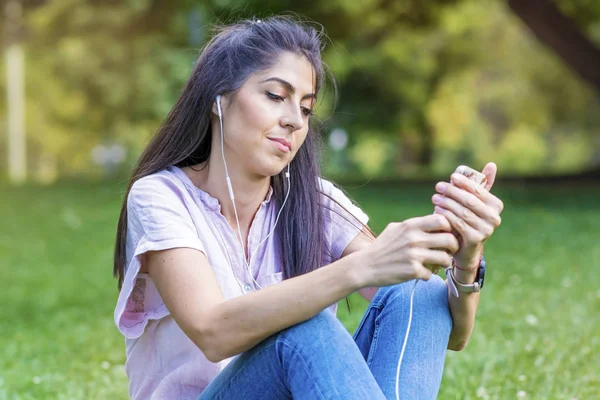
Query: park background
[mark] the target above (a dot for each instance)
(423, 87)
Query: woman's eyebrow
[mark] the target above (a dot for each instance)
(289, 87)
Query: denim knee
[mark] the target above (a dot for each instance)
(431, 297)
(322, 324)
(437, 289)
(434, 296)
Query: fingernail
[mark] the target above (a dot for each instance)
(438, 209)
(436, 199)
(441, 187)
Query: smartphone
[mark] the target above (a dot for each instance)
(473, 175)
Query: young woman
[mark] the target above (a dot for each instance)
(232, 252)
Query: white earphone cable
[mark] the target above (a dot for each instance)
(287, 175)
(410, 315)
(227, 178)
(232, 197)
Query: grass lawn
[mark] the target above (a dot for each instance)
(537, 334)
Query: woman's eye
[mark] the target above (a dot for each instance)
(273, 96)
(307, 112)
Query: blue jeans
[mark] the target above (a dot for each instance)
(318, 359)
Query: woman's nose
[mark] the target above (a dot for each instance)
(293, 119)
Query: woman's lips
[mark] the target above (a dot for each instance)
(281, 144)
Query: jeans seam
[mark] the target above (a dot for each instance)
(363, 320)
(377, 306)
(361, 324)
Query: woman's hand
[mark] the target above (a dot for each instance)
(401, 250)
(472, 211)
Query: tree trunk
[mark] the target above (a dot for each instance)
(15, 93)
(559, 33)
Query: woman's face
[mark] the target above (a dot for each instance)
(266, 121)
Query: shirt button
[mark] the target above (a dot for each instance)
(247, 287)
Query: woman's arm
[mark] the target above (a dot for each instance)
(362, 241)
(463, 309)
(475, 214)
(223, 328)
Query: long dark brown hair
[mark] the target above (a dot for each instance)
(184, 139)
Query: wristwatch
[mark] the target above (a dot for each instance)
(458, 287)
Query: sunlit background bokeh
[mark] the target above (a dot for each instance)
(423, 87)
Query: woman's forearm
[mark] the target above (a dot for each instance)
(238, 324)
(463, 309)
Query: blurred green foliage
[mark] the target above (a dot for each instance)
(424, 85)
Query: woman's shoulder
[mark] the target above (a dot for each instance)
(167, 178)
(164, 182)
(335, 199)
(161, 206)
(327, 187)
(158, 188)
(331, 191)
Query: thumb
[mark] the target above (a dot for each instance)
(490, 171)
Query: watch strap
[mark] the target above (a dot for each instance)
(457, 287)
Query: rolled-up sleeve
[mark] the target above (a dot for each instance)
(157, 219)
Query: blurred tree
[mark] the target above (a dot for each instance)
(441, 82)
(100, 72)
(572, 30)
(559, 32)
(499, 104)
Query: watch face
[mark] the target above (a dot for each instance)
(481, 273)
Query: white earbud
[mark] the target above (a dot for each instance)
(218, 99)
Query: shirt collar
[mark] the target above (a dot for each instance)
(209, 201)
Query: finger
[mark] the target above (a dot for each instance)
(436, 257)
(461, 181)
(468, 185)
(461, 196)
(431, 223)
(445, 241)
(490, 170)
(469, 234)
(479, 216)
